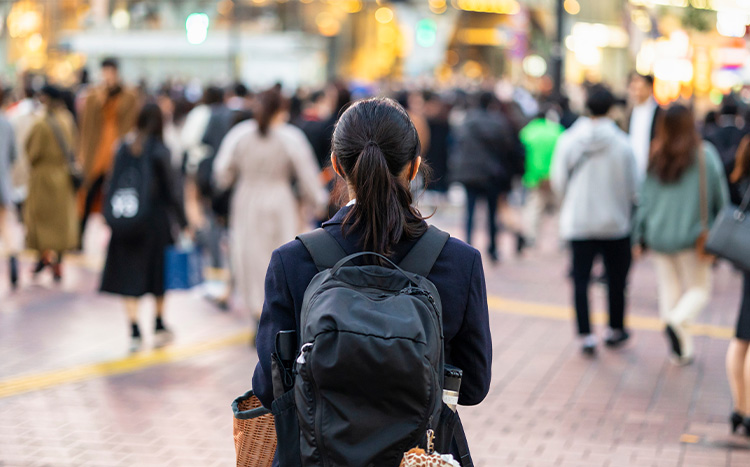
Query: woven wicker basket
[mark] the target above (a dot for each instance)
(254, 432)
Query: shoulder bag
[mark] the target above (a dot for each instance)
(730, 236)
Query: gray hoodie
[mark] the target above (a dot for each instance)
(594, 173)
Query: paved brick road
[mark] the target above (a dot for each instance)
(547, 406)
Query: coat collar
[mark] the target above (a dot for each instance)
(338, 218)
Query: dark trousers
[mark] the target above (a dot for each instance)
(616, 255)
(472, 195)
(94, 190)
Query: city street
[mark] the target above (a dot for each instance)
(71, 395)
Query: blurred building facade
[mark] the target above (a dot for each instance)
(695, 48)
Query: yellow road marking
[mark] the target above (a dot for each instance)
(23, 384)
(138, 361)
(647, 323)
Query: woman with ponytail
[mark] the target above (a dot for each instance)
(261, 158)
(376, 152)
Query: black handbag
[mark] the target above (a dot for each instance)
(729, 238)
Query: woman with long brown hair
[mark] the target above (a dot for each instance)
(738, 354)
(683, 193)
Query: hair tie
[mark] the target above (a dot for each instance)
(371, 143)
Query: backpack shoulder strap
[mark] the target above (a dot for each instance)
(323, 248)
(423, 255)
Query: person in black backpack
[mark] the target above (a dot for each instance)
(141, 210)
(376, 151)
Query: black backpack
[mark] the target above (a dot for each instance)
(129, 196)
(369, 373)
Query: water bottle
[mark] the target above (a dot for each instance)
(451, 386)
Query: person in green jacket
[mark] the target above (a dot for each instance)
(684, 191)
(539, 137)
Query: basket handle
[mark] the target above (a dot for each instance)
(247, 414)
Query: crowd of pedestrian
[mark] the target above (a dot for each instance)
(241, 173)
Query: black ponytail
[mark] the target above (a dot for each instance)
(374, 142)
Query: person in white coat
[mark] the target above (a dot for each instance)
(594, 173)
(262, 158)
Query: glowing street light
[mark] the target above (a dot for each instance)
(196, 27)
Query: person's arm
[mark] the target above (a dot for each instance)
(167, 185)
(640, 220)
(225, 165)
(559, 171)
(306, 170)
(717, 181)
(12, 153)
(34, 143)
(278, 315)
(471, 349)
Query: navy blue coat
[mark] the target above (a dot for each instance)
(457, 274)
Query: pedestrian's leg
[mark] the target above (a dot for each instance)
(471, 202)
(532, 214)
(583, 252)
(57, 267)
(91, 195)
(668, 284)
(696, 277)
(492, 224)
(7, 240)
(131, 308)
(617, 256)
(738, 379)
(162, 334)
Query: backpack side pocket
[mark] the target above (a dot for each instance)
(284, 412)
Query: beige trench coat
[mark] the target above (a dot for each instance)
(265, 211)
(50, 210)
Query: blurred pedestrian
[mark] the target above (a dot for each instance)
(683, 193)
(484, 163)
(109, 113)
(50, 211)
(135, 261)
(594, 173)
(23, 115)
(8, 157)
(738, 353)
(539, 138)
(727, 134)
(436, 111)
(642, 120)
(260, 158)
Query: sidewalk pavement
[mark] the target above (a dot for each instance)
(70, 395)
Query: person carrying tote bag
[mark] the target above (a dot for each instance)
(730, 239)
(683, 192)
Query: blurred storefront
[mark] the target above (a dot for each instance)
(696, 49)
(293, 41)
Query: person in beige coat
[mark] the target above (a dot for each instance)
(50, 209)
(261, 158)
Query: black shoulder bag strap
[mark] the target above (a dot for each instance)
(75, 173)
(423, 255)
(323, 248)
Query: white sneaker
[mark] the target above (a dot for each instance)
(135, 344)
(588, 344)
(163, 337)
